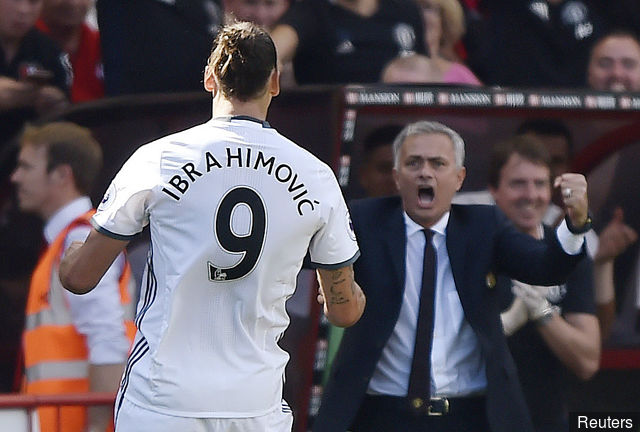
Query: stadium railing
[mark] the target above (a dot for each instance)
(17, 410)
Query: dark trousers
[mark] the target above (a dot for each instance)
(392, 414)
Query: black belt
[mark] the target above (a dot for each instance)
(436, 406)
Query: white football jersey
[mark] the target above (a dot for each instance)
(233, 207)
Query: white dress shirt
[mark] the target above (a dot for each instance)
(457, 366)
(99, 314)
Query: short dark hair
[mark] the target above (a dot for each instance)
(547, 127)
(525, 146)
(384, 135)
(68, 144)
(242, 59)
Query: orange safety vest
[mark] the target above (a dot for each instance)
(55, 354)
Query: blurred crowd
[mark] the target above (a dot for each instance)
(55, 53)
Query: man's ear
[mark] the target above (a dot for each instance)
(210, 83)
(492, 191)
(396, 178)
(274, 83)
(462, 174)
(62, 174)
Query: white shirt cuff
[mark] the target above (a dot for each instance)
(571, 243)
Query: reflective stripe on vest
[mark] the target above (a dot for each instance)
(59, 370)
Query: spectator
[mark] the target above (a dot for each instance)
(376, 172)
(533, 43)
(614, 64)
(64, 22)
(420, 69)
(614, 238)
(265, 13)
(427, 269)
(444, 28)
(156, 45)
(551, 330)
(71, 343)
(346, 41)
(34, 74)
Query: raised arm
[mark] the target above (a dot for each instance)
(84, 264)
(342, 297)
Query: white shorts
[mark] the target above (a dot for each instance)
(133, 418)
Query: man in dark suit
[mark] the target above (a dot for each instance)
(470, 382)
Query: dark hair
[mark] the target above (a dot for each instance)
(68, 144)
(547, 127)
(525, 146)
(379, 137)
(242, 59)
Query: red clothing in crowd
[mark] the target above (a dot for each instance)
(88, 76)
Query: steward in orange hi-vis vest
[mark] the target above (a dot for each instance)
(55, 354)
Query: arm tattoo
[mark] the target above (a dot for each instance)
(337, 295)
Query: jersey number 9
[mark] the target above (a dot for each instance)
(248, 245)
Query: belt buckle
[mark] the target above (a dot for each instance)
(438, 400)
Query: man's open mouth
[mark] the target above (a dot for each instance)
(425, 195)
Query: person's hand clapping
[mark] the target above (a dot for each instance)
(515, 317)
(534, 297)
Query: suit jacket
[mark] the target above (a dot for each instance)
(480, 243)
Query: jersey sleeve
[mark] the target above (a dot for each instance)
(334, 245)
(123, 211)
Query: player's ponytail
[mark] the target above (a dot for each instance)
(242, 60)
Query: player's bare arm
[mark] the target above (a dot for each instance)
(84, 264)
(342, 297)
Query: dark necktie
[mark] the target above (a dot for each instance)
(420, 378)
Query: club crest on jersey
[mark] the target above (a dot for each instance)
(350, 230)
(108, 198)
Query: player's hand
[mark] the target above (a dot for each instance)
(321, 298)
(515, 317)
(573, 188)
(321, 295)
(534, 297)
(615, 238)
